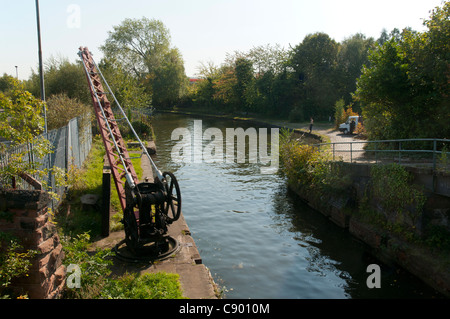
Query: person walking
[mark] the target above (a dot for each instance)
(311, 125)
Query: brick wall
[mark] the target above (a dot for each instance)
(29, 222)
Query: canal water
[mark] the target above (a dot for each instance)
(258, 239)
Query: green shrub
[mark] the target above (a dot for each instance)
(94, 267)
(438, 237)
(296, 115)
(392, 185)
(98, 283)
(14, 262)
(306, 165)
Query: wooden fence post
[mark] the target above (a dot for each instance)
(106, 197)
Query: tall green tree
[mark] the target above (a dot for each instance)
(224, 97)
(405, 88)
(6, 82)
(268, 58)
(314, 62)
(127, 89)
(353, 54)
(140, 45)
(61, 77)
(204, 91)
(170, 81)
(271, 90)
(143, 48)
(244, 78)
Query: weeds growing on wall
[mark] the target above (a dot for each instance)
(14, 262)
(391, 184)
(307, 166)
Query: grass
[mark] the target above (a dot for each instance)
(146, 286)
(89, 181)
(92, 178)
(79, 227)
(97, 281)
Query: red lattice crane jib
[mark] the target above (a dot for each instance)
(116, 152)
(148, 208)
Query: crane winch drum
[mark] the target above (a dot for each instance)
(148, 207)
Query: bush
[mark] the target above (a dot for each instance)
(401, 201)
(309, 167)
(392, 185)
(94, 267)
(301, 163)
(61, 109)
(143, 129)
(21, 123)
(296, 115)
(341, 113)
(97, 282)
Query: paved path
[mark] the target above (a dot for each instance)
(335, 136)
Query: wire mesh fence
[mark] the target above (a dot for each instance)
(70, 145)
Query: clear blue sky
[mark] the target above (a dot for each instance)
(203, 30)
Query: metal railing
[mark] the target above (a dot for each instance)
(392, 150)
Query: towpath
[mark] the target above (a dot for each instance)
(334, 136)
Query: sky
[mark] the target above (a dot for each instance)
(203, 30)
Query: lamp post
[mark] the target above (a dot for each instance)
(41, 71)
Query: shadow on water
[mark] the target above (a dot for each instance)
(332, 250)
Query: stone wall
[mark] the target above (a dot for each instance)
(28, 220)
(344, 210)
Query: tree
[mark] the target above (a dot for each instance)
(139, 45)
(21, 122)
(314, 62)
(127, 89)
(271, 90)
(353, 54)
(203, 96)
(383, 37)
(405, 88)
(244, 78)
(170, 81)
(142, 48)
(61, 77)
(224, 89)
(6, 82)
(268, 59)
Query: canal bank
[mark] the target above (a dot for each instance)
(321, 138)
(429, 265)
(195, 278)
(407, 238)
(260, 241)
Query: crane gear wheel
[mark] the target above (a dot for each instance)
(172, 204)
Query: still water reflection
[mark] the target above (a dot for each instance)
(260, 241)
